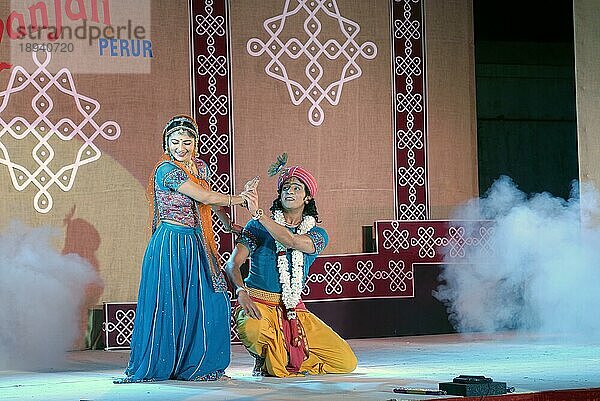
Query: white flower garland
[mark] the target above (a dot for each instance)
(291, 288)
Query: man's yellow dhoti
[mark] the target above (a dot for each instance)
(327, 351)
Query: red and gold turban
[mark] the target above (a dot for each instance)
(302, 174)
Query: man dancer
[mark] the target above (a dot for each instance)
(272, 322)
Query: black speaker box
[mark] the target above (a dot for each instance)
(473, 386)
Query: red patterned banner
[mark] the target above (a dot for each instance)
(118, 324)
(211, 98)
(410, 137)
(389, 272)
(359, 276)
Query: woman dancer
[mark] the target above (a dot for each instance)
(182, 323)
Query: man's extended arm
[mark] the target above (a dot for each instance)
(238, 256)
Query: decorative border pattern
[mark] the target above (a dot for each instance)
(389, 271)
(211, 99)
(410, 135)
(118, 324)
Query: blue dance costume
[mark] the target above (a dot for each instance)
(181, 329)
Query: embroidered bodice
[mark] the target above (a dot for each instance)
(173, 205)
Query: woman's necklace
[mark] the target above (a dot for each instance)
(189, 166)
(291, 287)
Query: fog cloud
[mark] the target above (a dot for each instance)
(543, 272)
(41, 296)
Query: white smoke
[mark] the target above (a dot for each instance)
(543, 273)
(41, 296)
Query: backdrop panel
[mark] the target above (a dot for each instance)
(340, 85)
(81, 125)
(276, 85)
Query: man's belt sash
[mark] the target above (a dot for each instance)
(264, 297)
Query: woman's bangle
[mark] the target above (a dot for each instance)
(258, 214)
(229, 200)
(237, 291)
(243, 204)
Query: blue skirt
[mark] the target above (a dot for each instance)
(182, 326)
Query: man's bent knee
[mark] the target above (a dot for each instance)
(350, 363)
(248, 329)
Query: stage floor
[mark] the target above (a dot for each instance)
(527, 363)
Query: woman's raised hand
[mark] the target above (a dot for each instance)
(252, 184)
(250, 188)
(251, 198)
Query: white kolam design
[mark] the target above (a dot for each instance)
(48, 127)
(320, 50)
